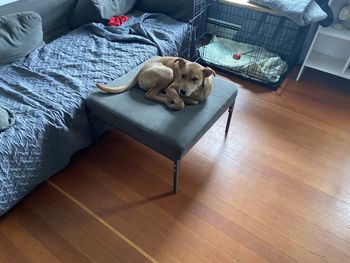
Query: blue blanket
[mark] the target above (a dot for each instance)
(47, 89)
(302, 12)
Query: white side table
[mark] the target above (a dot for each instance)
(329, 52)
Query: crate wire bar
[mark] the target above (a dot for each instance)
(197, 29)
(265, 33)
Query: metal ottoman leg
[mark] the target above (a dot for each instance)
(230, 111)
(176, 176)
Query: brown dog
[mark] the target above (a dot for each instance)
(172, 81)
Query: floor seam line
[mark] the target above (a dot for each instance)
(103, 222)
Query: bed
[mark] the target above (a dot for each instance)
(47, 92)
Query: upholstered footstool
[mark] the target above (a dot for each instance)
(170, 133)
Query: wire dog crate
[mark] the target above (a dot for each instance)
(250, 43)
(197, 29)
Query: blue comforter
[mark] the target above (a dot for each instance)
(46, 90)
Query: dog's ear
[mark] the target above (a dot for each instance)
(208, 72)
(181, 61)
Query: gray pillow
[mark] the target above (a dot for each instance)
(181, 10)
(20, 34)
(7, 119)
(87, 11)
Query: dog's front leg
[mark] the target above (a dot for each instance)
(177, 102)
(190, 101)
(155, 95)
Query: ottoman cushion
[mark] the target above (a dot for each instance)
(171, 133)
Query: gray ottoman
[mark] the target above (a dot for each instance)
(171, 133)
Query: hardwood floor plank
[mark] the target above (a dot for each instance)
(156, 230)
(29, 245)
(45, 234)
(9, 252)
(319, 96)
(104, 210)
(154, 207)
(78, 238)
(251, 192)
(202, 230)
(288, 141)
(118, 247)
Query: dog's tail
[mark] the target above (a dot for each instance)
(119, 89)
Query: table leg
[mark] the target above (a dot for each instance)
(176, 175)
(230, 111)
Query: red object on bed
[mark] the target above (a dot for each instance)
(117, 20)
(236, 56)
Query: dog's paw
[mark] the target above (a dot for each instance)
(176, 106)
(180, 105)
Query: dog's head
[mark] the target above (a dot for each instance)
(192, 76)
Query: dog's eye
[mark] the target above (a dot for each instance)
(183, 76)
(195, 79)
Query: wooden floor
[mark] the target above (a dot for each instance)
(276, 190)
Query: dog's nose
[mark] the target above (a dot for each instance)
(183, 92)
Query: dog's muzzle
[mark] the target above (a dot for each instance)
(183, 92)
